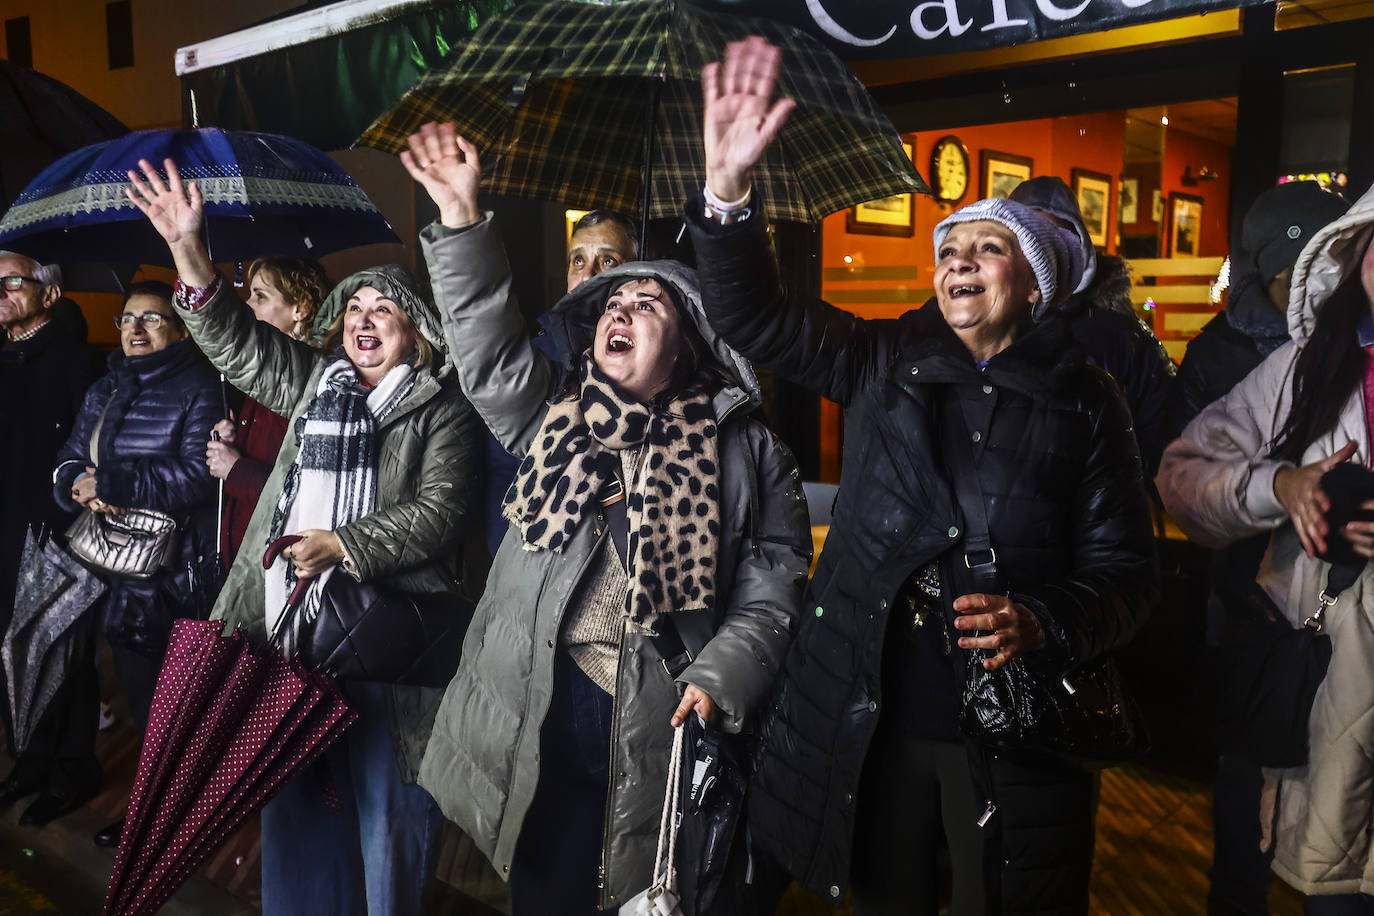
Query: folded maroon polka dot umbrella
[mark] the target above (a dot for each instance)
(230, 725)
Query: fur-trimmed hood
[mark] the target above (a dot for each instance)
(1332, 254)
(572, 321)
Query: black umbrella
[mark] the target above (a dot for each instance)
(42, 120)
(54, 590)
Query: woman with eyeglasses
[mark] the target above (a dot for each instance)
(139, 443)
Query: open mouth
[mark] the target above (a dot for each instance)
(967, 289)
(619, 343)
(367, 343)
(139, 341)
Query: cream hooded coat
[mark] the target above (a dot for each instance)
(1217, 482)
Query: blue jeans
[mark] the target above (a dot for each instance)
(374, 857)
(554, 871)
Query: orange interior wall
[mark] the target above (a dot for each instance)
(1189, 150)
(1056, 147)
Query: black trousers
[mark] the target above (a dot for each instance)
(916, 794)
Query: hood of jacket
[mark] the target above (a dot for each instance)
(1250, 311)
(395, 283)
(1332, 254)
(572, 320)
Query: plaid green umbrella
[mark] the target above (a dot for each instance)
(569, 102)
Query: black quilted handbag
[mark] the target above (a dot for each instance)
(362, 632)
(1031, 704)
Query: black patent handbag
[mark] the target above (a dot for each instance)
(1031, 704)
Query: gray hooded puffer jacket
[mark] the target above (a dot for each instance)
(482, 763)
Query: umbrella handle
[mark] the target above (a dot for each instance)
(275, 549)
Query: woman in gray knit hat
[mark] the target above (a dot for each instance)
(991, 518)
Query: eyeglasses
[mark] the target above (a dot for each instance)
(15, 282)
(150, 320)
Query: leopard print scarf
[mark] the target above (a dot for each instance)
(673, 507)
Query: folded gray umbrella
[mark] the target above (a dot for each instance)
(54, 590)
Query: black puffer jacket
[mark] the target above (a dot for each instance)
(44, 379)
(1105, 325)
(1066, 507)
(1227, 349)
(152, 456)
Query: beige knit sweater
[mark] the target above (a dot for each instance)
(598, 614)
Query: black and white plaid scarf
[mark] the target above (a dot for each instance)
(334, 477)
(673, 507)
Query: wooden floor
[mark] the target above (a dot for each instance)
(1154, 835)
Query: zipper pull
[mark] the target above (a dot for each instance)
(987, 814)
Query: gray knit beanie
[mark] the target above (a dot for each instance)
(1050, 250)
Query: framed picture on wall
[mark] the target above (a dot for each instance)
(1000, 173)
(1185, 225)
(1093, 191)
(1128, 211)
(886, 216)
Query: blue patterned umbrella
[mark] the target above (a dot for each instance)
(265, 194)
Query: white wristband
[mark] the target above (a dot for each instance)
(725, 206)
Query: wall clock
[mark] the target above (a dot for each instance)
(949, 170)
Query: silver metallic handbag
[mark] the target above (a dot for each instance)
(136, 543)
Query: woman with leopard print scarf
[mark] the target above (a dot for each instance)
(653, 567)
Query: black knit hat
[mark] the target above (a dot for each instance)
(1282, 220)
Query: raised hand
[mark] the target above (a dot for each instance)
(448, 168)
(176, 211)
(741, 117)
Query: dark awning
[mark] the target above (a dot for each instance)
(323, 75)
(887, 29)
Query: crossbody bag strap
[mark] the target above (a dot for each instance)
(99, 425)
(1338, 578)
(960, 463)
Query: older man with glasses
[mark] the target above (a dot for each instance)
(45, 371)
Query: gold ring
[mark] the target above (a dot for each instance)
(97, 503)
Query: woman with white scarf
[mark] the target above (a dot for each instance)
(374, 478)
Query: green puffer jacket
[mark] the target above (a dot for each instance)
(482, 764)
(430, 448)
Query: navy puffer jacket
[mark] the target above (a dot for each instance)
(151, 456)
